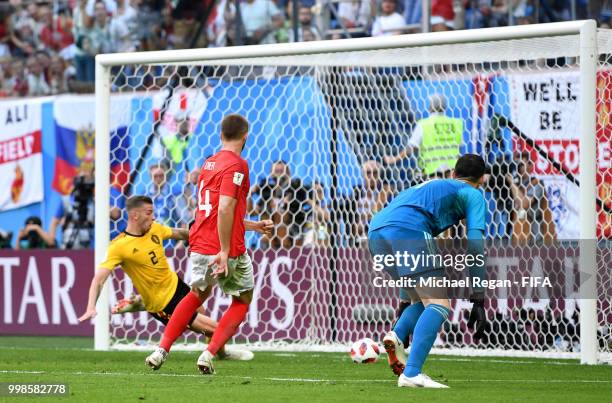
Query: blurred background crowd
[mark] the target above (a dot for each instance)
(48, 47)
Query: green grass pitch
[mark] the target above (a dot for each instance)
(289, 377)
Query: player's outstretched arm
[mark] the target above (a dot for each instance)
(180, 234)
(264, 227)
(94, 292)
(393, 159)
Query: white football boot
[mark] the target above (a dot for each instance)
(156, 358)
(205, 363)
(236, 354)
(396, 355)
(419, 381)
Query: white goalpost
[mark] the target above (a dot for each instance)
(327, 114)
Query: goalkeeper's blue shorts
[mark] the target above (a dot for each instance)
(416, 250)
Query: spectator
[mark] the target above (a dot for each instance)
(523, 12)
(437, 139)
(442, 15)
(389, 22)
(99, 33)
(486, 14)
(18, 83)
(259, 22)
(118, 219)
(24, 39)
(412, 12)
(222, 30)
(160, 192)
(44, 60)
(124, 27)
(167, 38)
(58, 80)
(18, 13)
(52, 36)
(109, 5)
(309, 36)
(5, 34)
(150, 14)
(355, 14)
(365, 201)
(316, 229)
(75, 214)
(81, 21)
(91, 41)
(84, 60)
(32, 11)
(186, 202)
(305, 19)
(37, 84)
(533, 219)
(284, 200)
(32, 236)
(5, 239)
(6, 73)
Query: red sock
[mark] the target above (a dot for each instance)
(179, 320)
(231, 319)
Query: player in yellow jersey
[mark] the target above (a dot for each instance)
(140, 252)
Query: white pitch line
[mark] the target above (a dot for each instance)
(20, 372)
(494, 361)
(305, 380)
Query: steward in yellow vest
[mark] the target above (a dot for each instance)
(176, 144)
(439, 148)
(437, 139)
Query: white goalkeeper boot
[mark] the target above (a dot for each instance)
(419, 381)
(205, 363)
(395, 352)
(156, 358)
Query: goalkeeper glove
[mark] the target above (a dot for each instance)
(478, 317)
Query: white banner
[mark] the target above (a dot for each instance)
(21, 173)
(185, 106)
(546, 108)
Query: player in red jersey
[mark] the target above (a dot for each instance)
(217, 247)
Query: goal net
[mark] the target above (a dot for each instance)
(337, 130)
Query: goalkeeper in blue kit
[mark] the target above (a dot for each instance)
(408, 225)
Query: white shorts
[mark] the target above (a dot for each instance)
(239, 274)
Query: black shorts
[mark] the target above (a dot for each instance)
(181, 291)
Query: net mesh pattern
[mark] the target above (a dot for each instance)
(332, 141)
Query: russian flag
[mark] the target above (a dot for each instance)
(74, 118)
(120, 160)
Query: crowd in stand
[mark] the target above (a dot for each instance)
(48, 47)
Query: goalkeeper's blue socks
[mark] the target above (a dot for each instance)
(407, 321)
(425, 332)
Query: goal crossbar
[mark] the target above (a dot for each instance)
(345, 45)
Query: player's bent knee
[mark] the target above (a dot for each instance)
(201, 294)
(245, 297)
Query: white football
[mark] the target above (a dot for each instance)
(364, 351)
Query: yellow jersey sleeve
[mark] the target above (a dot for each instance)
(166, 232)
(113, 257)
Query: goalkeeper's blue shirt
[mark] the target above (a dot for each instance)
(434, 206)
